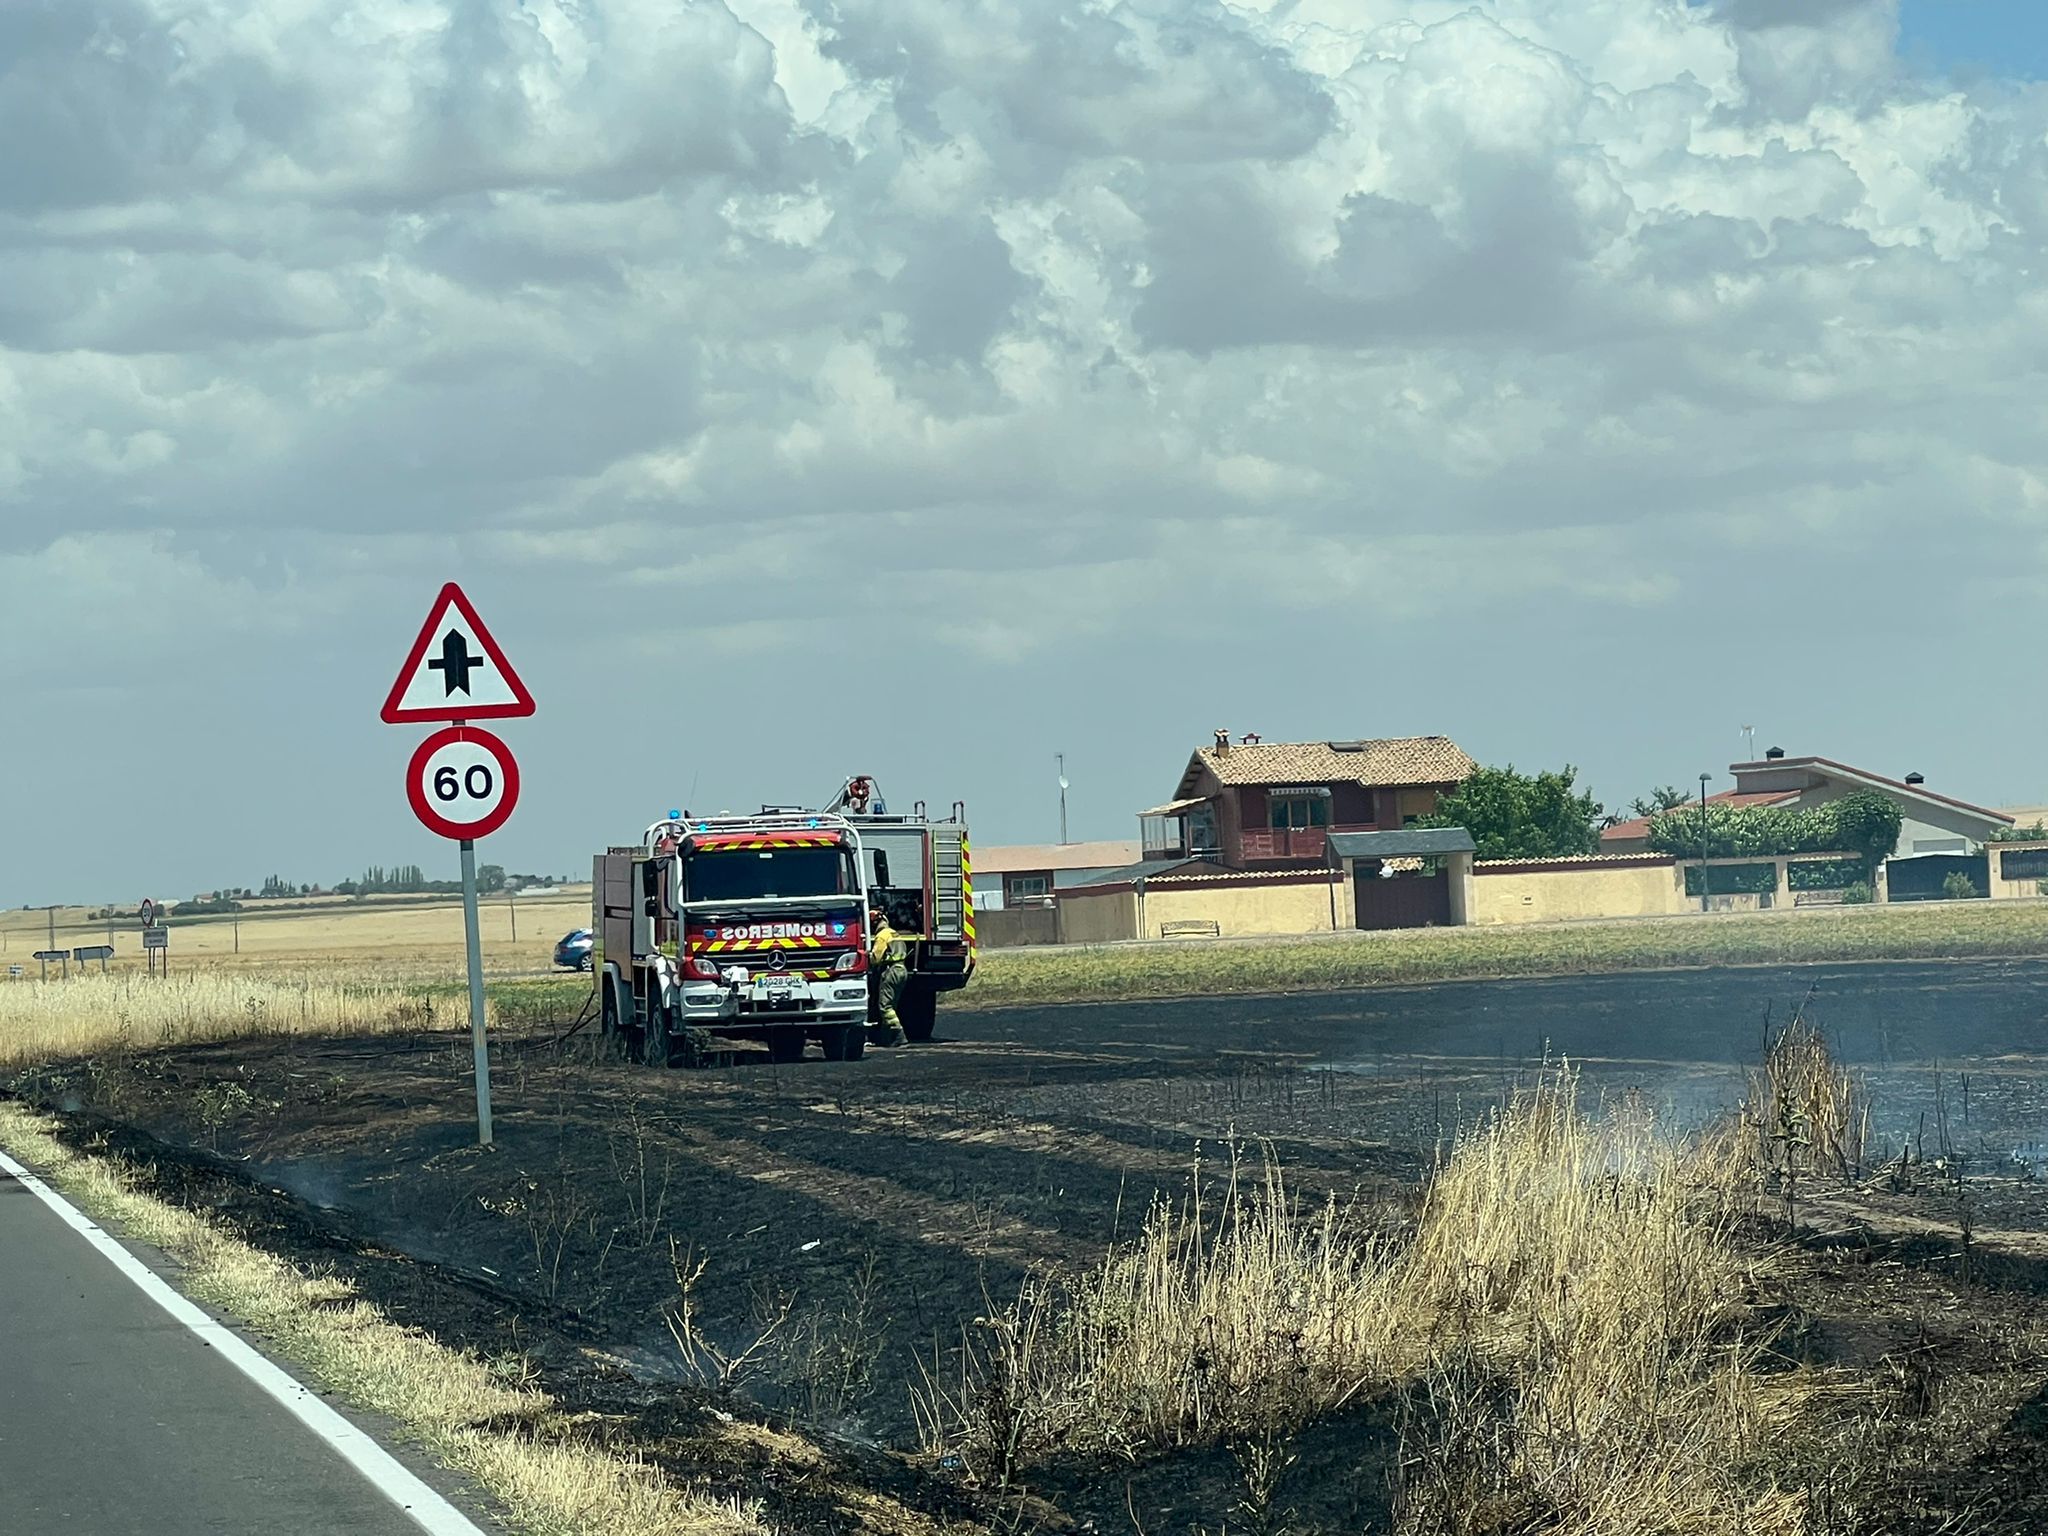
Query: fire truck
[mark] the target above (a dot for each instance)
(756, 927)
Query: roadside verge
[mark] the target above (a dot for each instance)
(473, 1416)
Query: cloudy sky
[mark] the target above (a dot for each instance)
(929, 386)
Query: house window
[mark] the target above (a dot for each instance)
(1024, 887)
(1297, 811)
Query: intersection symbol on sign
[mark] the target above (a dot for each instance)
(455, 670)
(454, 663)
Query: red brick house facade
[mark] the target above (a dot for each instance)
(1270, 805)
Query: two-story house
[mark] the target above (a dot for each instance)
(1267, 805)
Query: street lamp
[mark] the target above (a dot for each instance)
(1703, 842)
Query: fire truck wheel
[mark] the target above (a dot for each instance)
(849, 1042)
(611, 1036)
(785, 1045)
(918, 1008)
(655, 1037)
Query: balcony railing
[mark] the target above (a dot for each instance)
(1263, 845)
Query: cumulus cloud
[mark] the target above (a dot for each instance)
(1080, 321)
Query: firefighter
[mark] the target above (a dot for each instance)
(886, 974)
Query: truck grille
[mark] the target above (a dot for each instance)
(795, 961)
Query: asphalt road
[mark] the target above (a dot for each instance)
(116, 1420)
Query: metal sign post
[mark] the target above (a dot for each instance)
(479, 1050)
(462, 782)
(155, 937)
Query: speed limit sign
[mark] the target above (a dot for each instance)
(462, 782)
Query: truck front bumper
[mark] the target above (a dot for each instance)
(842, 1000)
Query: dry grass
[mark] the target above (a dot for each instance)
(469, 1413)
(1591, 1362)
(385, 942)
(88, 1015)
(1208, 1326)
(1567, 1323)
(1911, 931)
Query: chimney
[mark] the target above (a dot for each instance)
(1222, 739)
(1916, 778)
(1252, 738)
(1773, 754)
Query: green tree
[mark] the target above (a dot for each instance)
(490, 878)
(1522, 816)
(1864, 824)
(1663, 798)
(1660, 799)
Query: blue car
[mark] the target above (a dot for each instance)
(573, 951)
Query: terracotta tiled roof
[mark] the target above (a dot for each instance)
(1639, 828)
(1378, 764)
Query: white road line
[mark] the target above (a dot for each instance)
(427, 1509)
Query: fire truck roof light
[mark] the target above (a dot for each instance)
(676, 815)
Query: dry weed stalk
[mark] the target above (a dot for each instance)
(718, 1369)
(633, 1166)
(831, 1349)
(1809, 1114)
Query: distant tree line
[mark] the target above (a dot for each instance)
(398, 880)
(401, 879)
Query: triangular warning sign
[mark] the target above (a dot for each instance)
(456, 671)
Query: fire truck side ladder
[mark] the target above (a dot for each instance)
(949, 888)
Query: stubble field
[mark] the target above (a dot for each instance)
(372, 941)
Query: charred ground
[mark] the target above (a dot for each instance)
(845, 1222)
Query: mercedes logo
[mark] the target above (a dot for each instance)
(777, 960)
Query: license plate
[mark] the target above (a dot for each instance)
(772, 985)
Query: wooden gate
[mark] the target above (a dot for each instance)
(1403, 901)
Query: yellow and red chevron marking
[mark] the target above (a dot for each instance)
(789, 941)
(967, 896)
(769, 840)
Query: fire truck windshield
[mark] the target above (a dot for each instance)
(762, 874)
